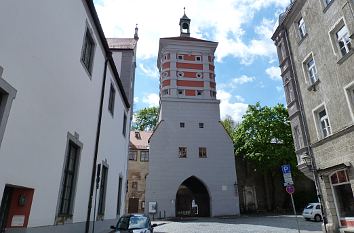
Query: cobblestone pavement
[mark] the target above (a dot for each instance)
(243, 224)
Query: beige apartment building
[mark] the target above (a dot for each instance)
(138, 169)
(314, 41)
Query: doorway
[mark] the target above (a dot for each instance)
(192, 199)
(133, 206)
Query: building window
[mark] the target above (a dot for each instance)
(202, 152)
(213, 93)
(322, 122)
(180, 57)
(199, 75)
(103, 190)
(165, 74)
(311, 70)
(69, 180)
(165, 92)
(301, 28)
(199, 92)
(7, 95)
(144, 156)
(88, 49)
(198, 58)
(180, 74)
(112, 95)
(349, 92)
(134, 185)
(180, 91)
(132, 155)
(124, 124)
(343, 194)
(343, 40)
(297, 137)
(120, 183)
(182, 152)
(181, 124)
(201, 125)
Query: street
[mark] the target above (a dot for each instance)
(263, 224)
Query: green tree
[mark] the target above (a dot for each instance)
(146, 119)
(264, 138)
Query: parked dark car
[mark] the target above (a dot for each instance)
(134, 223)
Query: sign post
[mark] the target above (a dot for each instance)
(289, 187)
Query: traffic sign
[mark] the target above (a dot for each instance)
(290, 189)
(286, 168)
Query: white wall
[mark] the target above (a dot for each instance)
(40, 48)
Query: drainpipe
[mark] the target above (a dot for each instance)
(307, 139)
(94, 162)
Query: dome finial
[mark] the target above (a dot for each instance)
(184, 24)
(136, 36)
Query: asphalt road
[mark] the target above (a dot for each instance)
(244, 224)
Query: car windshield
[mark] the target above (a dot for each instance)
(309, 207)
(132, 222)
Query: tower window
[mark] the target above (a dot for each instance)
(199, 92)
(198, 58)
(181, 124)
(180, 57)
(199, 75)
(201, 125)
(180, 74)
(202, 152)
(165, 92)
(180, 91)
(182, 152)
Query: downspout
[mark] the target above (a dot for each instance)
(94, 162)
(309, 149)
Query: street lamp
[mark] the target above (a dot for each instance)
(309, 162)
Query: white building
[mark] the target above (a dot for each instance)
(192, 165)
(63, 113)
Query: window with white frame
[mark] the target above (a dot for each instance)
(301, 28)
(182, 152)
(311, 70)
(198, 58)
(180, 57)
(180, 91)
(349, 91)
(324, 125)
(165, 92)
(343, 40)
(199, 92)
(181, 124)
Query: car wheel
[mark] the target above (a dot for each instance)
(317, 218)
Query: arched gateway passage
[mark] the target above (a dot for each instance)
(192, 199)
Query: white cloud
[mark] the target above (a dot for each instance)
(152, 100)
(237, 81)
(224, 22)
(149, 72)
(274, 73)
(136, 99)
(243, 79)
(231, 108)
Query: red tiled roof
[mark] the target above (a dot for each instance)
(139, 139)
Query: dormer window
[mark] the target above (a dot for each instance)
(137, 135)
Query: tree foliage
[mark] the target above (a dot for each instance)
(146, 119)
(264, 136)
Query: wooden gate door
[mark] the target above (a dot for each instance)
(133, 206)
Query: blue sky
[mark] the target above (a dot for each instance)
(246, 63)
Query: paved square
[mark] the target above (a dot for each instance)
(244, 224)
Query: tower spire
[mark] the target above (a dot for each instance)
(136, 36)
(184, 24)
